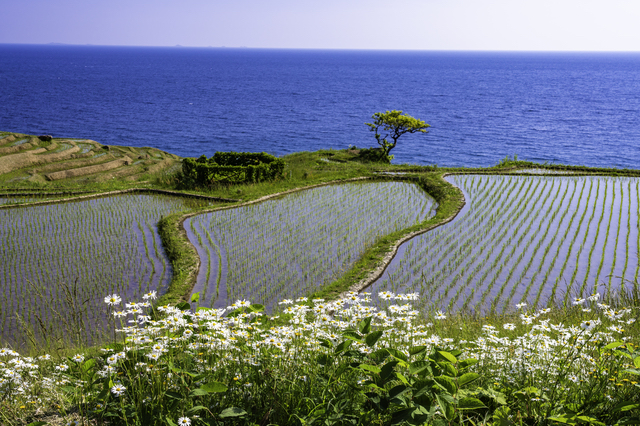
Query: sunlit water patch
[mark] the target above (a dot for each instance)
(105, 245)
(536, 240)
(289, 247)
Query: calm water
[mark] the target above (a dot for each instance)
(567, 108)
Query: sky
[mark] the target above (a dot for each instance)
(557, 25)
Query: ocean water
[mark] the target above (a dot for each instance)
(571, 108)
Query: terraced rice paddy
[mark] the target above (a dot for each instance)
(291, 246)
(105, 245)
(538, 240)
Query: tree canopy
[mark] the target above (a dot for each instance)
(392, 125)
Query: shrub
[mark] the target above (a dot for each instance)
(230, 168)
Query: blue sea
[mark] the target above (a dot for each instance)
(572, 108)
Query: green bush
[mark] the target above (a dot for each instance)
(230, 168)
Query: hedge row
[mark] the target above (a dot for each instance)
(231, 168)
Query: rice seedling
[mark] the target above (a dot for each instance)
(523, 239)
(92, 247)
(292, 246)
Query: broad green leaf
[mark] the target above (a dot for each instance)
(418, 367)
(626, 406)
(232, 412)
(88, 364)
(325, 342)
(636, 361)
(447, 383)
(398, 390)
(421, 387)
(196, 409)
(446, 405)
(365, 325)
(448, 357)
(402, 378)
(344, 345)
(170, 422)
(387, 370)
(449, 369)
(256, 307)
(370, 368)
(415, 350)
(214, 387)
(379, 355)
(467, 378)
(183, 306)
(590, 420)
(466, 363)
(613, 345)
(372, 338)
(198, 392)
(470, 403)
(195, 297)
(397, 354)
(352, 335)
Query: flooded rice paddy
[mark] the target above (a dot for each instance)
(537, 240)
(105, 245)
(289, 247)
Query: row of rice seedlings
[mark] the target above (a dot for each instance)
(529, 252)
(105, 245)
(294, 245)
(478, 232)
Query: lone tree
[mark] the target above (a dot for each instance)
(393, 124)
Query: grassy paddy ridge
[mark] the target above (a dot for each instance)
(374, 357)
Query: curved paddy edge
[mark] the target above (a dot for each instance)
(183, 255)
(375, 260)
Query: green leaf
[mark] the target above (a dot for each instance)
(379, 355)
(446, 383)
(373, 337)
(256, 307)
(88, 364)
(467, 378)
(343, 346)
(324, 359)
(170, 422)
(325, 342)
(470, 403)
(402, 378)
(173, 395)
(613, 345)
(370, 368)
(415, 350)
(636, 361)
(418, 367)
(365, 325)
(467, 363)
(198, 392)
(352, 335)
(232, 412)
(183, 306)
(448, 357)
(446, 405)
(397, 354)
(195, 297)
(626, 406)
(196, 409)
(216, 387)
(398, 390)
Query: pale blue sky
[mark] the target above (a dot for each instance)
(607, 25)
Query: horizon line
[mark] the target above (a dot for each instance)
(177, 46)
